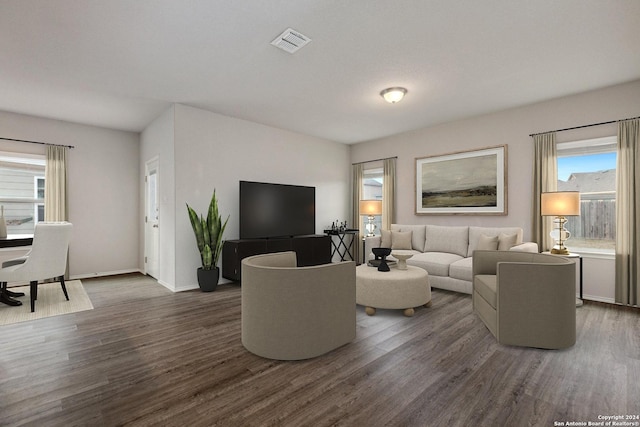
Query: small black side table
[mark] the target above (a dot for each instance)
(344, 243)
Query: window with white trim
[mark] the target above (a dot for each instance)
(22, 191)
(589, 166)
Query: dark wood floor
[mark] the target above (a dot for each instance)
(145, 356)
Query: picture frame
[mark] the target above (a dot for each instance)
(462, 183)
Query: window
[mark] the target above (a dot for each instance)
(22, 191)
(589, 167)
(372, 190)
(39, 195)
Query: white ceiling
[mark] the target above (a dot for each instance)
(120, 63)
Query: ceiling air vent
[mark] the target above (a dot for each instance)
(290, 41)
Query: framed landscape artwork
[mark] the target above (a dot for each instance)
(463, 183)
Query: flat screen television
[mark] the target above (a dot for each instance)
(276, 210)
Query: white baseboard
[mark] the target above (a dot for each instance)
(165, 284)
(138, 270)
(133, 270)
(187, 288)
(90, 275)
(598, 299)
(172, 289)
(104, 273)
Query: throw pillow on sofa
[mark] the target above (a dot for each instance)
(476, 232)
(417, 234)
(395, 239)
(385, 238)
(401, 240)
(507, 241)
(449, 239)
(487, 243)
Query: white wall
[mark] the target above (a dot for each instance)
(103, 189)
(511, 127)
(157, 141)
(215, 151)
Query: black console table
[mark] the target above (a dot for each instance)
(310, 250)
(344, 244)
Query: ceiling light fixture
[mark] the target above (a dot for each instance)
(393, 94)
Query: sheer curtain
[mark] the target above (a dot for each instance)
(545, 178)
(55, 191)
(357, 171)
(628, 213)
(388, 193)
(55, 187)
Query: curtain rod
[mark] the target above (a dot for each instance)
(37, 142)
(585, 126)
(371, 161)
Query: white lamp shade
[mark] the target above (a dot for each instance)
(370, 207)
(560, 203)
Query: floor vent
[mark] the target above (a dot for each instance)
(290, 41)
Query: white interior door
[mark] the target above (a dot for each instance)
(151, 219)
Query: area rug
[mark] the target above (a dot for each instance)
(51, 302)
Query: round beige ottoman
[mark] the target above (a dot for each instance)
(395, 289)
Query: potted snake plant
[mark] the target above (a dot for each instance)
(208, 232)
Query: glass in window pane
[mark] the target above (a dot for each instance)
(16, 182)
(152, 206)
(21, 185)
(593, 176)
(19, 217)
(40, 189)
(372, 184)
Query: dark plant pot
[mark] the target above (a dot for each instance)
(208, 279)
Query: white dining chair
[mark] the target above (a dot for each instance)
(47, 259)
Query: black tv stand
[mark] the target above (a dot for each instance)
(310, 250)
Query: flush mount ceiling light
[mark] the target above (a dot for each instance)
(393, 94)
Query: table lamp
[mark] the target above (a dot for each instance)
(370, 208)
(560, 204)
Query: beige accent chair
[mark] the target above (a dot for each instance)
(294, 313)
(526, 299)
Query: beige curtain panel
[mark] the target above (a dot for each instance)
(357, 171)
(389, 193)
(545, 178)
(55, 192)
(628, 214)
(55, 187)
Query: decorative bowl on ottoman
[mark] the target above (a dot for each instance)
(402, 257)
(381, 255)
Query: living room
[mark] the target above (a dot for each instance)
(183, 136)
(302, 159)
(199, 150)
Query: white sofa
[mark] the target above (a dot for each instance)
(445, 252)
